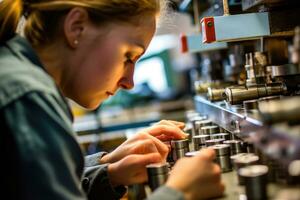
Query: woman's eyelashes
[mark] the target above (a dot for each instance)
(130, 59)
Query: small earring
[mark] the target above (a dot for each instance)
(76, 42)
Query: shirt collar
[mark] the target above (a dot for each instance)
(23, 49)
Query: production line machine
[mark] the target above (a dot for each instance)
(247, 102)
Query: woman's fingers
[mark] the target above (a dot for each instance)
(160, 146)
(169, 132)
(180, 125)
(207, 153)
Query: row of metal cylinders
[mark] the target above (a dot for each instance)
(231, 153)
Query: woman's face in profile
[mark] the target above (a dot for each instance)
(104, 61)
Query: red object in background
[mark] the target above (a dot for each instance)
(208, 30)
(184, 46)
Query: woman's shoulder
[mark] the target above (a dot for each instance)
(19, 76)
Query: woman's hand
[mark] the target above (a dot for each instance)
(197, 177)
(131, 169)
(142, 143)
(148, 141)
(167, 130)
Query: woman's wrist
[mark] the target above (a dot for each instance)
(111, 169)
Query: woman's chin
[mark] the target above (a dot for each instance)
(91, 105)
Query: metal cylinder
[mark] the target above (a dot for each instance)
(169, 156)
(234, 157)
(281, 110)
(208, 130)
(203, 123)
(179, 148)
(157, 174)
(236, 95)
(199, 141)
(196, 125)
(224, 136)
(255, 178)
(213, 142)
(214, 94)
(223, 156)
(243, 161)
(199, 124)
(235, 146)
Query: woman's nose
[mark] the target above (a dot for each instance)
(126, 82)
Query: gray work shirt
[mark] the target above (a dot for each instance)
(41, 157)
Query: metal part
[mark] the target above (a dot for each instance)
(157, 174)
(179, 148)
(251, 25)
(238, 95)
(213, 142)
(223, 156)
(199, 124)
(255, 68)
(235, 146)
(169, 156)
(281, 111)
(285, 70)
(179, 144)
(226, 7)
(224, 136)
(250, 104)
(196, 124)
(203, 123)
(202, 87)
(208, 130)
(243, 161)
(199, 141)
(234, 157)
(283, 137)
(255, 181)
(216, 94)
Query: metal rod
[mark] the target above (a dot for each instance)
(196, 14)
(226, 7)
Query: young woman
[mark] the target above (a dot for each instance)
(84, 50)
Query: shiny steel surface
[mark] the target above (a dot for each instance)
(208, 130)
(255, 178)
(178, 144)
(216, 94)
(285, 70)
(238, 95)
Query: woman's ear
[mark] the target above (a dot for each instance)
(74, 25)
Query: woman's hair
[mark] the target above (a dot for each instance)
(43, 17)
